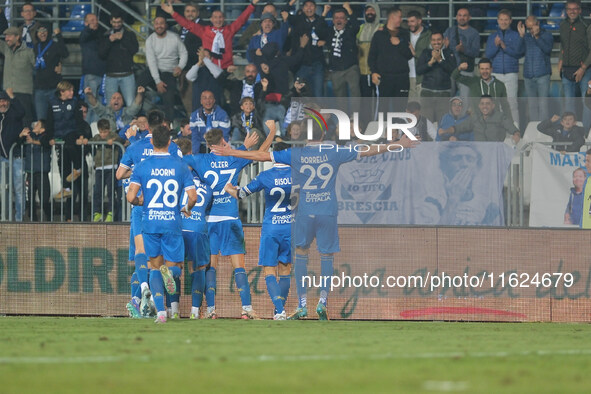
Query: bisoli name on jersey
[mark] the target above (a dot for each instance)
(282, 181)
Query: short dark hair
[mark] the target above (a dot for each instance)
(184, 122)
(280, 145)
(485, 60)
(392, 10)
(103, 124)
(192, 4)
(569, 113)
(487, 96)
(185, 145)
(577, 2)
(160, 136)
(214, 136)
(414, 13)
(341, 10)
(504, 11)
(116, 14)
(436, 32)
(155, 118)
(28, 3)
(244, 99)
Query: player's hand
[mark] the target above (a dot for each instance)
(521, 29)
(231, 69)
(185, 212)
(412, 49)
(498, 40)
(264, 84)
(222, 149)
(579, 74)
(271, 125)
(141, 90)
(463, 66)
(10, 92)
(231, 190)
(407, 143)
(251, 140)
(25, 132)
(58, 68)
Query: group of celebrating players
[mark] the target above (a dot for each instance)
(186, 208)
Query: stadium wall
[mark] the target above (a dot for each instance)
(73, 269)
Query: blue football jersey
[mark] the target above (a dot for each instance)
(196, 222)
(314, 173)
(142, 149)
(276, 182)
(217, 172)
(162, 178)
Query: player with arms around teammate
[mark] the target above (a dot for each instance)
(314, 170)
(275, 246)
(224, 226)
(162, 179)
(197, 251)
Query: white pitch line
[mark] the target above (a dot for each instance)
(300, 358)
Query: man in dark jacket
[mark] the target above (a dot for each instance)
(11, 124)
(536, 67)
(49, 52)
(308, 23)
(342, 55)
(435, 65)
(93, 67)
(564, 129)
(117, 48)
(391, 77)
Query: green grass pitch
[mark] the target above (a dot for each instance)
(108, 355)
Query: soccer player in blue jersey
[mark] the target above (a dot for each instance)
(162, 177)
(275, 246)
(224, 226)
(135, 153)
(314, 170)
(197, 251)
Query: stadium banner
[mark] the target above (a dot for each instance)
(556, 187)
(436, 183)
(381, 273)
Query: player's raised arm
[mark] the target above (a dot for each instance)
(401, 144)
(225, 149)
(269, 140)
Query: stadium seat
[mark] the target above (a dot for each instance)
(491, 16)
(555, 16)
(76, 22)
(533, 135)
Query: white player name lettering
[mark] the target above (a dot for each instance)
(162, 172)
(219, 164)
(282, 181)
(148, 152)
(314, 159)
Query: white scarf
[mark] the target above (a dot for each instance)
(247, 90)
(219, 45)
(337, 42)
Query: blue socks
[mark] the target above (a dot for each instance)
(210, 282)
(242, 285)
(135, 286)
(175, 271)
(301, 270)
(141, 267)
(157, 288)
(284, 285)
(275, 293)
(177, 296)
(197, 288)
(326, 271)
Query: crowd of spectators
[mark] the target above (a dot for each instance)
(190, 74)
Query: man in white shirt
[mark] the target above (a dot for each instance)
(166, 56)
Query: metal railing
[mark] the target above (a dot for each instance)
(48, 168)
